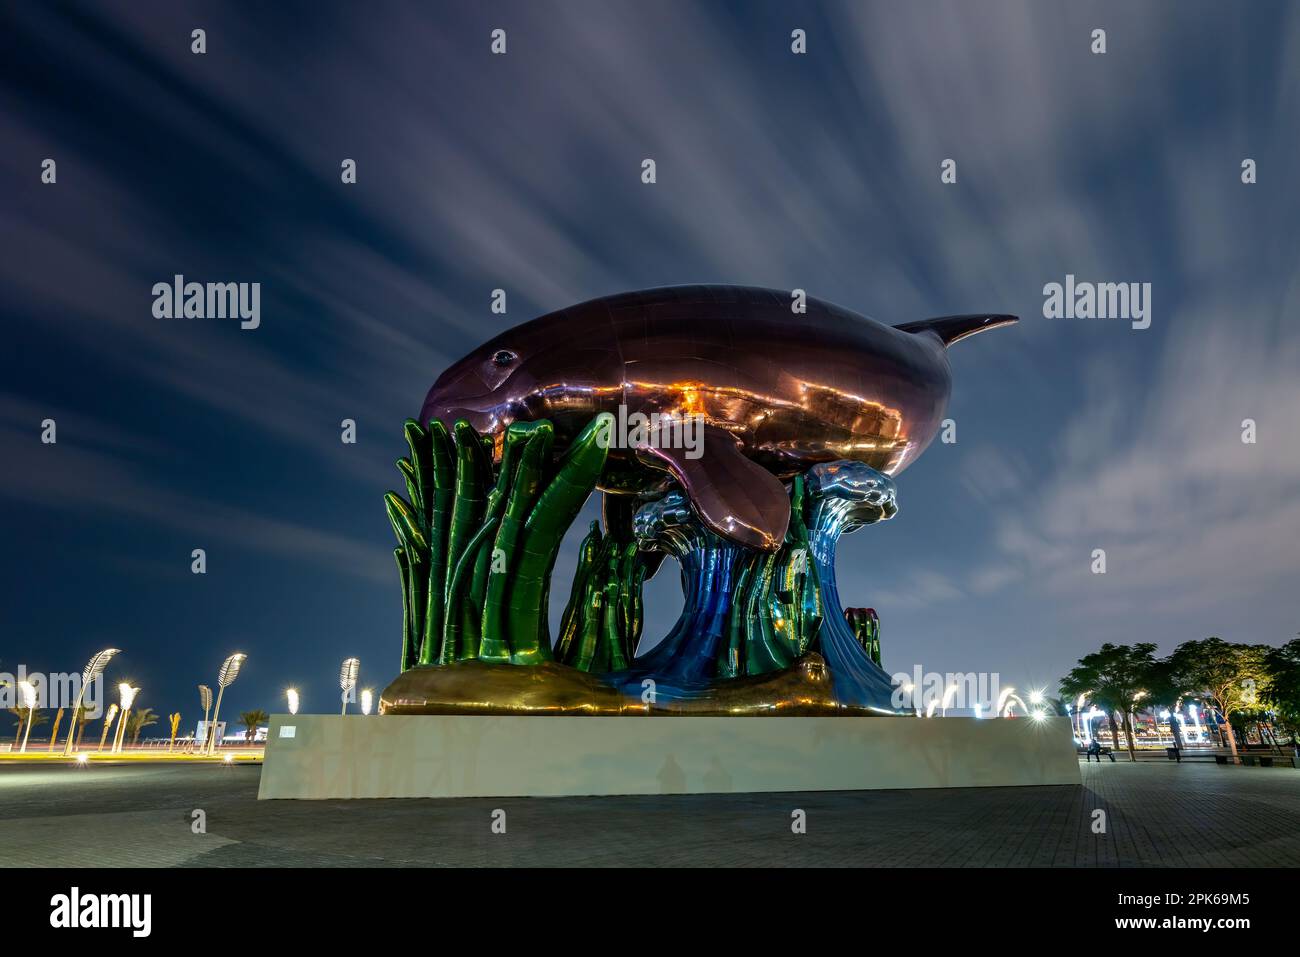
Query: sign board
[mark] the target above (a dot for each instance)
(201, 732)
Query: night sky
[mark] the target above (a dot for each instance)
(476, 171)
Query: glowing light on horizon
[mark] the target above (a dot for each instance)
(949, 694)
(29, 701)
(1002, 700)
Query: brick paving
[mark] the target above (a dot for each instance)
(1157, 814)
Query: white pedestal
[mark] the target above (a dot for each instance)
(384, 756)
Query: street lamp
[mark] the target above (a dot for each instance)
(292, 695)
(909, 689)
(205, 699)
(94, 668)
(367, 699)
(225, 678)
(348, 679)
(1091, 715)
(1002, 700)
(108, 723)
(29, 702)
(948, 695)
(127, 694)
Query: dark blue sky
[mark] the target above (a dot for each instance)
(523, 172)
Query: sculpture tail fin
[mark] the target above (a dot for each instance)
(953, 328)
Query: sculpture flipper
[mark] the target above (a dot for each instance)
(955, 328)
(736, 498)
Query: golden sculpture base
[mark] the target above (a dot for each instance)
(477, 687)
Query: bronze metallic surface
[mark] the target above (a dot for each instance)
(691, 407)
(482, 688)
(778, 389)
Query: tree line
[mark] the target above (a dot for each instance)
(136, 722)
(1242, 682)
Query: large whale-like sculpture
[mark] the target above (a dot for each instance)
(778, 391)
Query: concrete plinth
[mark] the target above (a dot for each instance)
(387, 756)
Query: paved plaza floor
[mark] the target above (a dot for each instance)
(1156, 814)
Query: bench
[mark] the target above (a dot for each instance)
(1083, 752)
(1255, 760)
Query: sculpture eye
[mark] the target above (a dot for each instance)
(504, 357)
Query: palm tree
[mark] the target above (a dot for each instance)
(80, 720)
(38, 718)
(251, 720)
(21, 715)
(137, 721)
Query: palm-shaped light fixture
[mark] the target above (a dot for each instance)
(108, 723)
(348, 679)
(225, 678)
(127, 694)
(205, 700)
(292, 695)
(94, 668)
(29, 702)
(367, 700)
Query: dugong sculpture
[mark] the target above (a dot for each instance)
(778, 391)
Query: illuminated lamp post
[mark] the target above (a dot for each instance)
(127, 694)
(108, 723)
(348, 679)
(29, 702)
(94, 668)
(205, 699)
(225, 678)
(949, 694)
(1002, 701)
